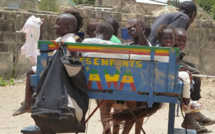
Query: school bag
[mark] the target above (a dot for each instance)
(60, 102)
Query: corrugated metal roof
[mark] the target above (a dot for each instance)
(150, 2)
(157, 2)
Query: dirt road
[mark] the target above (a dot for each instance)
(12, 96)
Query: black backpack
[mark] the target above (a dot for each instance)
(60, 102)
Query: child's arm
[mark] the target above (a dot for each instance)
(140, 32)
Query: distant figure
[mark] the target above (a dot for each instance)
(181, 19)
(115, 25)
(91, 27)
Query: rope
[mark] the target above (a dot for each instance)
(201, 75)
(185, 121)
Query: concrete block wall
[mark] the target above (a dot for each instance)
(200, 48)
(23, 4)
(11, 60)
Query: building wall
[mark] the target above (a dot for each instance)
(23, 4)
(11, 60)
(200, 48)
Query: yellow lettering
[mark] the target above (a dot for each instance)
(111, 62)
(125, 63)
(138, 64)
(132, 63)
(88, 61)
(104, 62)
(95, 62)
(81, 59)
(127, 79)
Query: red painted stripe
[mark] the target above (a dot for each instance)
(115, 84)
(99, 84)
(89, 84)
(121, 85)
(132, 87)
(111, 51)
(108, 83)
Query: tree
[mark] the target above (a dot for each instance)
(49, 5)
(208, 6)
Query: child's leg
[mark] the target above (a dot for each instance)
(184, 76)
(26, 106)
(202, 119)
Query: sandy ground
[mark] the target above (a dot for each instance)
(12, 96)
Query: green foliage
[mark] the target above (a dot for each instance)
(84, 1)
(11, 82)
(4, 82)
(49, 5)
(208, 6)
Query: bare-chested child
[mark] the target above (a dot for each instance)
(181, 39)
(64, 28)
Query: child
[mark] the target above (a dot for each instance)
(166, 36)
(136, 31)
(65, 27)
(115, 25)
(181, 38)
(91, 27)
(80, 22)
(104, 32)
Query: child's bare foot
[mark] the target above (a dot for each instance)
(204, 121)
(23, 109)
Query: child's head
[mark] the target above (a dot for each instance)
(104, 31)
(181, 38)
(114, 23)
(78, 17)
(65, 23)
(91, 27)
(166, 35)
(132, 30)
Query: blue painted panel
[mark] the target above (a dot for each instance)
(34, 80)
(130, 97)
(139, 71)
